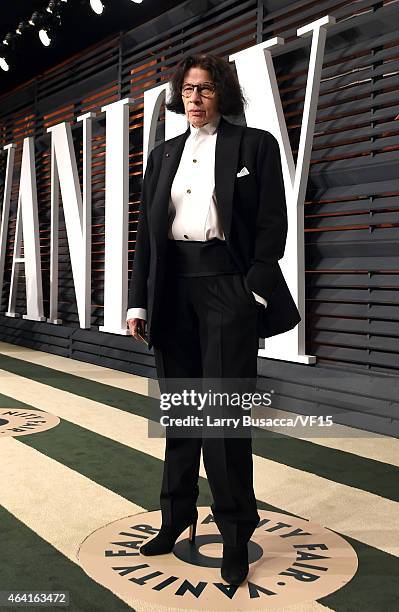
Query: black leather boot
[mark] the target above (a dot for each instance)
(235, 563)
(165, 540)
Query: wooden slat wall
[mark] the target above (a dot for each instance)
(351, 210)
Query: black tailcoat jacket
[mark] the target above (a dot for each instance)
(253, 216)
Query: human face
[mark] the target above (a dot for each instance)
(199, 110)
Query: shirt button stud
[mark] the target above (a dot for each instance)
(185, 235)
(195, 161)
(188, 190)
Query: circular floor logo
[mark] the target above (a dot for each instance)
(291, 561)
(20, 421)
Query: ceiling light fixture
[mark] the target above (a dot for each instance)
(4, 62)
(36, 19)
(45, 36)
(24, 25)
(45, 23)
(9, 39)
(48, 28)
(97, 6)
(55, 6)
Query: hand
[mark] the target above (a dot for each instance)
(137, 328)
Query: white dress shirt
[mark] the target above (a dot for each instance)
(192, 205)
(192, 211)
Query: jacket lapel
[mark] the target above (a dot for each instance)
(172, 153)
(226, 161)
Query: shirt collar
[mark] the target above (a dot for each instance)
(208, 128)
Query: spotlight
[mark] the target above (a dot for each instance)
(137, 1)
(52, 6)
(36, 19)
(24, 25)
(4, 64)
(9, 39)
(48, 29)
(97, 6)
(45, 36)
(55, 6)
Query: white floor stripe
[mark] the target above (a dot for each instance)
(373, 446)
(113, 378)
(367, 517)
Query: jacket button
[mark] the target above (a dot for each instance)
(167, 154)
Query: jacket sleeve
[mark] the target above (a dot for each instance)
(271, 224)
(137, 297)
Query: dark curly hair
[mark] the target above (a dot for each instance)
(230, 97)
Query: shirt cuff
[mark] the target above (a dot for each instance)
(260, 299)
(136, 313)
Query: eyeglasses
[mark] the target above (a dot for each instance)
(205, 90)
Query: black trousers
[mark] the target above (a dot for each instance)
(209, 330)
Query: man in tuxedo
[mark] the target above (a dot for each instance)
(207, 284)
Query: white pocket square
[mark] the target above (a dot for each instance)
(243, 172)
